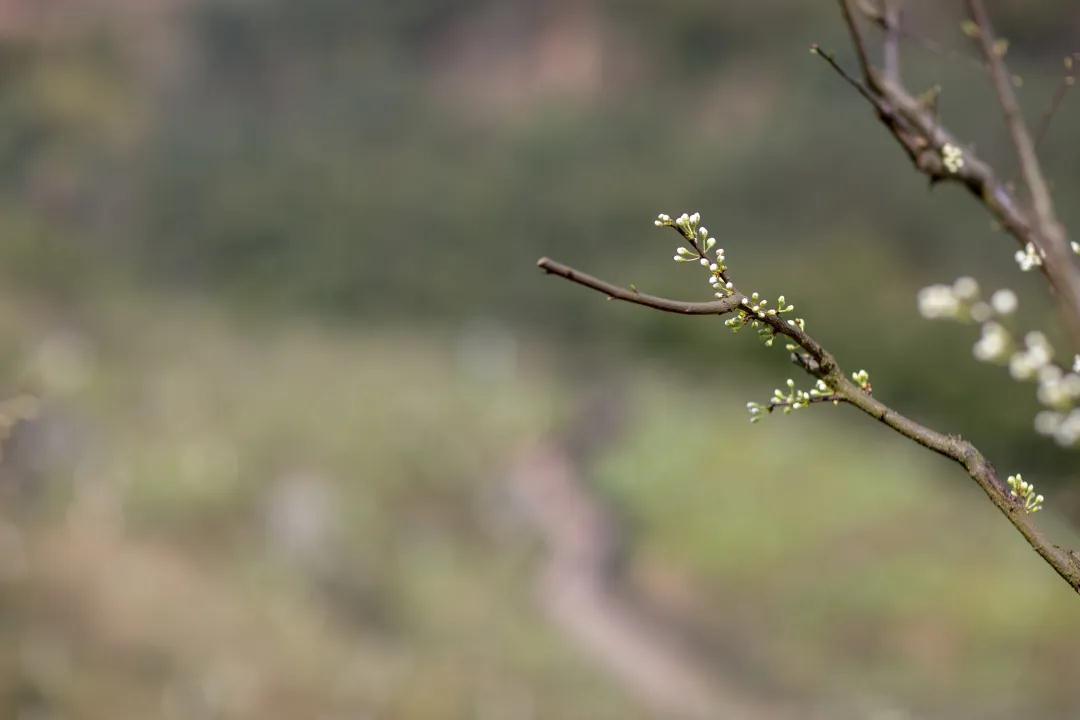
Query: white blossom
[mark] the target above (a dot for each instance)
(1067, 432)
(994, 344)
(1057, 388)
(1020, 367)
(1004, 301)
(1037, 354)
(1047, 422)
(1039, 348)
(965, 288)
(981, 312)
(938, 301)
(1028, 258)
(952, 157)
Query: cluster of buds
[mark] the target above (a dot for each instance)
(754, 311)
(791, 400)
(1029, 258)
(756, 305)
(1020, 488)
(722, 287)
(952, 158)
(701, 244)
(862, 379)
(703, 251)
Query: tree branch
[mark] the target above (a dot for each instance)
(915, 126)
(614, 292)
(1060, 91)
(1014, 119)
(858, 40)
(821, 364)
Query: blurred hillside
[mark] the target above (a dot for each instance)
(269, 267)
(403, 162)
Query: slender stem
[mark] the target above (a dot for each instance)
(1055, 104)
(780, 405)
(891, 18)
(857, 38)
(1030, 167)
(859, 86)
(614, 292)
(821, 364)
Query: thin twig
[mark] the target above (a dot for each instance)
(857, 39)
(817, 399)
(1030, 167)
(1063, 561)
(859, 86)
(891, 19)
(614, 292)
(933, 46)
(1060, 91)
(879, 16)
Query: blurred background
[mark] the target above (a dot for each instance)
(293, 427)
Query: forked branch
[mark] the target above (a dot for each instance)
(913, 122)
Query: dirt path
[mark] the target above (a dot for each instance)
(581, 590)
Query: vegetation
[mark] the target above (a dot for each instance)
(266, 269)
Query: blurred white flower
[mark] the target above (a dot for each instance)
(938, 301)
(1004, 301)
(1047, 422)
(994, 344)
(966, 288)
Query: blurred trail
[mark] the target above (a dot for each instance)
(581, 589)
